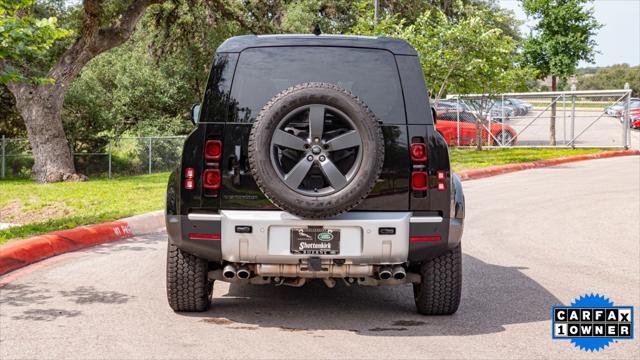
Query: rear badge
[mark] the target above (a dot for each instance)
(325, 236)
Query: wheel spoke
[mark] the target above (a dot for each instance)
(283, 138)
(333, 174)
(316, 121)
(346, 140)
(297, 174)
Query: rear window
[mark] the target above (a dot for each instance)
(372, 75)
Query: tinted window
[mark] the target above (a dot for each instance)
(371, 75)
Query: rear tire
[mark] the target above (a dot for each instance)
(188, 286)
(506, 140)
(440, 290)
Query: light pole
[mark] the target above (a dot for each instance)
(375, 11)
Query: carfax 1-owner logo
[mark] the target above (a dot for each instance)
(592, 322)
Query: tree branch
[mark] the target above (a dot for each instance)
(94, 40)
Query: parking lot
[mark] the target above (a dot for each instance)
(605, 132)
(532, 239)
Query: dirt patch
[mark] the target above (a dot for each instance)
(218, 321)
(408, 323)
(17, 212)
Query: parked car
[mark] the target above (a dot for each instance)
(617, 109)
(452, 104)
(509, 109)
(447, 126)
(524, 107)
(315, 157)
(634, 118)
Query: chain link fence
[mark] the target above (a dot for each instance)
(106, 157)
(582, 119)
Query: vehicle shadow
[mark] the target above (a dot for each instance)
(493, 296)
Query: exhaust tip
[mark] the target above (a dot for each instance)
(399, 275)
(384, 274)
(229, 272)
(243, 274)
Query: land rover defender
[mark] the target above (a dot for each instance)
(315, 158)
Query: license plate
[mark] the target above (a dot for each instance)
(315, 240)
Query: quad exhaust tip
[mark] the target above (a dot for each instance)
(399, 273)
(243, 273)
(385, 273)
(229, 272)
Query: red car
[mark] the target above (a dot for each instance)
(634, 118)
(447, 127)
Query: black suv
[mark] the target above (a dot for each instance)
(315, 157)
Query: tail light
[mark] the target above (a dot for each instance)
(418, 152)
(211, 179)
(213, 150)
(189, 174)
(419, 180)
(419, 176)
(211, 176)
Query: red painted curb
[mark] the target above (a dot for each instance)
(504, 169)
(24, 252)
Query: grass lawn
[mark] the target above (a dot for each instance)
(465, 159)
(42, 208)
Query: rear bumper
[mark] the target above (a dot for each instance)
(215, 236)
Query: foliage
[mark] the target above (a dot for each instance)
(468, 55)
(83, 203)
(24, 37)
(611, 77)
(562, 37)
(333, 16)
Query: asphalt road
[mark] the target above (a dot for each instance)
(532, 239)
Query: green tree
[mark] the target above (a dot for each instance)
(24, 37)
(469, 55)
(562, 37)
(611, 77)
(102, 25)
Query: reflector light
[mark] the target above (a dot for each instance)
(211, 179)
(424, 238)
(441, 175)
(441, 186)
(419, 180)
(418, 152)
(204, 236)
(188, 184)
(213, 150)
(189, 173)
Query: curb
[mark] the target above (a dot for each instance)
(504, 169)
(24, 252)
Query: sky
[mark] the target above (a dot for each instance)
(618, 39)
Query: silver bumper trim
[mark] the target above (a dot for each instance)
(204, 217)
(269, 242)
(425, 219)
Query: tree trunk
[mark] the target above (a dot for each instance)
(552, 120)
(40, 107)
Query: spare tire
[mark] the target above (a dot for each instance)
(316, 150)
